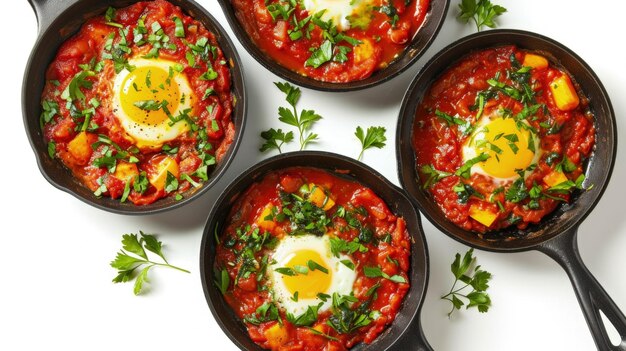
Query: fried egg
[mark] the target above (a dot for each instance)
(295, 253)
(511, 146)
(340, 11)
(139, 96)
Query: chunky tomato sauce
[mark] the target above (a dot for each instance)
(350, 213)
(506, 83)
(378, 31)
(82, 124)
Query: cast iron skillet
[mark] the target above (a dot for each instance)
(405, 333)
(556, 234)
(60, 19)
(418, 45)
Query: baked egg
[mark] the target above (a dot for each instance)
(511, 145)
(302, 268)
(148, 98)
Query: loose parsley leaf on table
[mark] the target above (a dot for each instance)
(479, 282)
(483, 12)
(127, 264)
(375, 137)
(304, 120)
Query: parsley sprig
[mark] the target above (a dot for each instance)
(375, 137)
(483, 12)
(478, 281)
(302, 120)
(127, 264)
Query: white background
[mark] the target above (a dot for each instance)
(56, 290)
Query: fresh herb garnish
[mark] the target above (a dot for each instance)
(179, 30)
(479, 282)
(465, 170)
(375, 137)
(306, 319)
(127, 264)
(274, 139)
(346, 319)
(265, 313)
(375, 272)
(329, 50)
(303, 121)
(465, 127)
(433, 175)
(483, 12)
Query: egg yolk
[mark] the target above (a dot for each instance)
(143, 92)
(507, 144)
(310, 284)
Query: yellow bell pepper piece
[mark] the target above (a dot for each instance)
(80, 148)
(483, 216)
(319, 198)
(563, 93)
(264, 223)
(554, 178)
(158, 179)
(276, 336)
(535, 61)
(125, 171)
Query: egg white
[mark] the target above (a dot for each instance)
(148, 135)
(342, 279)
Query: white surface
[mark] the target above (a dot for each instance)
(56, 290)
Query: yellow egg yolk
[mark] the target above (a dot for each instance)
(507, 144)
(143, 92)
(310, 284)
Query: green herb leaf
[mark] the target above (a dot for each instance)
(482, 12)
(126, 264)
(303, 120)
(179, 31)
(375, 137)
(465, 170)
(274, 139)
(479, 282)
(316, 266)
(433, 175)
(321, 55)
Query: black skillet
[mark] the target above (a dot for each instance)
(405, 333)
(556, 234)
(418, 45)
(60, 19)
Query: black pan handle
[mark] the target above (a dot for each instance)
(413, 339)
(47, 10)
(591, 296)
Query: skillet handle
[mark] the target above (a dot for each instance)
(413, 339)
(591, 296)
(47, 10)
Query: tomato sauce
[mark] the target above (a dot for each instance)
(84, 133)
(559, 118)
(378, 36)
(388, 249)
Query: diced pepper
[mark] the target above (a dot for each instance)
(483, 216)
(164, 165)
(535, 61)
(363, 51)
(264, 223)
(554, 178)
(276, 336)
(80, 148)
(318, 197)
(563, 93)
(125, 171)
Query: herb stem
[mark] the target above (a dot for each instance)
(170, 266)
